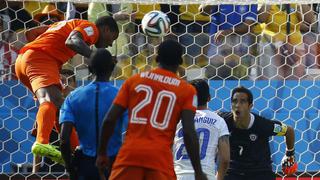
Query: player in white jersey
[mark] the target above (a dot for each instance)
(213, 135)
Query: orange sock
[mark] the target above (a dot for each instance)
(74, 140)
(45, 119)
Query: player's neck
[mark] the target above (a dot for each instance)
(202, 108)
(173, 69)
(101, 79)
(244, 122)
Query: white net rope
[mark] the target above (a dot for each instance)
(271, 48)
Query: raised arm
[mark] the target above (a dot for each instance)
(289, 165)
(75, 42)
(289, 138)
(224, 156)
(191, 141)
(33, 33)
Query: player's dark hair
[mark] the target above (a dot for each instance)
(101, 63)
(202, 88)
(242, 89)
(170, 53)
(109, 22)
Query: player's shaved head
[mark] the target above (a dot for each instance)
(109, 22)
(170, 53)
(202, 88)
(101, 63)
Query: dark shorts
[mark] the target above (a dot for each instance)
(87, 169)
(250, 176)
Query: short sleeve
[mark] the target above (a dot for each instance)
(223, 128)
(66, 114)
(190, 101)
(123, 95)
(89, 32)
(272, 128)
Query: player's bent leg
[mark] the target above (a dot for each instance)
(127, 172)
(151, 174)
(49, 100)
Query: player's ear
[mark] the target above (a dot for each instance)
(209, 98)
(250, 106)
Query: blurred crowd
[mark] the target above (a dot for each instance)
(246, 42)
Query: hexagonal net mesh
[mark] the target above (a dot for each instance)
(270, 48)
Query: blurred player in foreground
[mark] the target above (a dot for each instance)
(213, 137)
(249, 141)
(84, 109)
(40, 61)
(156, 101)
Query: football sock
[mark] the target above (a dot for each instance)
(45, 119)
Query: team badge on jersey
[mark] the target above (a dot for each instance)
(89, 30)
(195, 101)
(280, 130)
(253, 137)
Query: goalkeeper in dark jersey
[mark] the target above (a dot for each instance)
(249, 141)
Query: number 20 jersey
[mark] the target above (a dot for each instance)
(210, 127)
(155, 100)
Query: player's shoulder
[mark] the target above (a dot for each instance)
(133, 78)
(214, 115)
(81, 90)
(225, 115)
(260, 119)
(185, 86)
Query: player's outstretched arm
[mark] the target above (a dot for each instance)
(76, 43)
(65, 133)
(224, 156)
(289, 165)
(289, 137)
(108, 126)
(33, 33)
(191, 142)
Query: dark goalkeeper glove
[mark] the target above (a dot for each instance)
(289, 166)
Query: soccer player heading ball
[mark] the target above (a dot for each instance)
(40, 61)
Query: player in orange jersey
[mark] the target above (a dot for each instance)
(156, 101)
(40, 61)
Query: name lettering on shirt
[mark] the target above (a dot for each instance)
(205, 120)
(161, 78)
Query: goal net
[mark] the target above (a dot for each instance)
(269, 46)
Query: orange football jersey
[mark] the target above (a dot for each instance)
(53, 40)
(155, 100)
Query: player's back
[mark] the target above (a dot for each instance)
(210, 127)
(53, 40)
(155, 100)
(80, 108)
